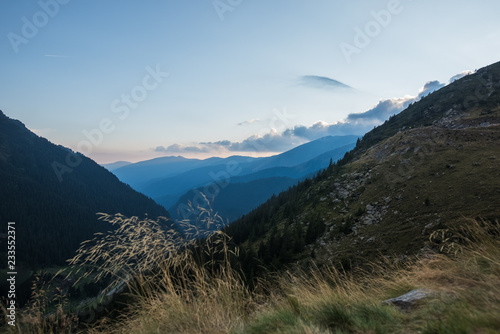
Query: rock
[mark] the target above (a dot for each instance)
(408, 300)
(406, 150)
(427, 228)
(343, 193)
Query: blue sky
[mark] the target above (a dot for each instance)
(131, 80)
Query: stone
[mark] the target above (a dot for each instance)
(408, 300)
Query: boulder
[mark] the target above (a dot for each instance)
(408, 300)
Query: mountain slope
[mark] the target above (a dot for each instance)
(433, 164)
(233, 200)
(53, 214)
(238, 195)
(305, 152)
(115, 165)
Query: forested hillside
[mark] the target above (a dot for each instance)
(54, 214)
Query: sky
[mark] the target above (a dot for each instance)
(133, 80)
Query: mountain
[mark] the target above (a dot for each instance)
(305, 152)
(115, 165)
(233, 200)
(166, 179)
(236, 196)
(142, 172)
(430, 167)
(53, 195)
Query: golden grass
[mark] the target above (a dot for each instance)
(197, 290)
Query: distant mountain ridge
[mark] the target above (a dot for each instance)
(255, 188)
(168, 179)
(53, 217)
(116, 165)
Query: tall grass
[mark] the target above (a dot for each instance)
(181, 282)
(45, 312)
(195, 289)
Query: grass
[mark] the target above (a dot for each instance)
(197, 290)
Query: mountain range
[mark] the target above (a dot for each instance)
(175, 181)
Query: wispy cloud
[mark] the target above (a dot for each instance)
(56, 56)
(255, 120)
(177, 148)
(320, 82)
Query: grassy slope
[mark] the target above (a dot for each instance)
(443, 182)
(434, 163)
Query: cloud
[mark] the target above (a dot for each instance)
(429, 87)
(382, 111)
(315, 81)
(270, 142)
(56, 56)
(460, 75)
(177, 148)
(249, 122)
(354, 124)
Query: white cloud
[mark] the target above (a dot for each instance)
(461, 75)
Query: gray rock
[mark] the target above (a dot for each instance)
(408, 300)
